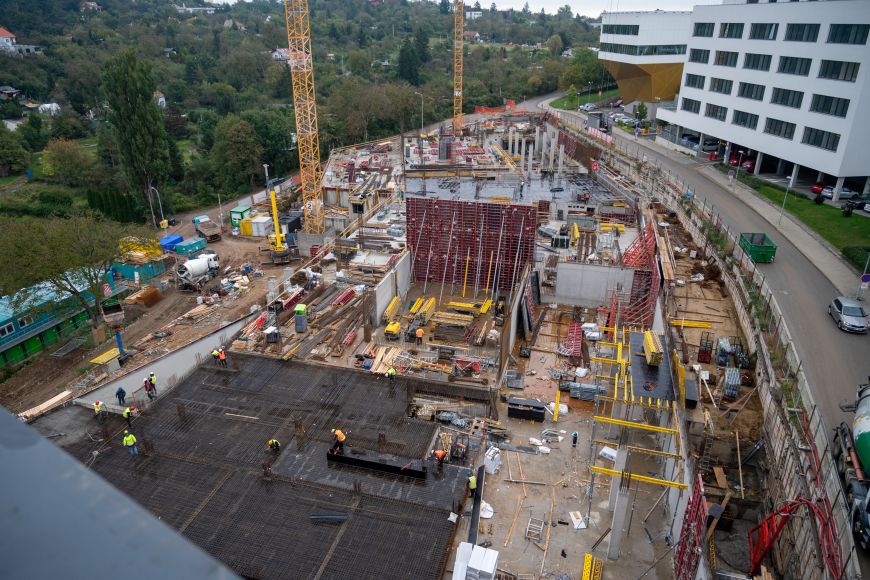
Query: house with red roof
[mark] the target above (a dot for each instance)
(9, 45)
(7, 39)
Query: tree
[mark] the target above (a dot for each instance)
(493, 8)
(640, 111)
(66, 162)
(68, 256)
(444, 7)
(409, 65)
(421, 43)
(34, 133)
(137, 123)
(13, 157)
(235, 157)
(555, 45)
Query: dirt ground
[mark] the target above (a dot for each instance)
(45, 376)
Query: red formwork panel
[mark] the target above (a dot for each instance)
(491, 241)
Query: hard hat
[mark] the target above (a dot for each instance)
(99, 402)
(333, 430)
(469, 474)
(126, 432)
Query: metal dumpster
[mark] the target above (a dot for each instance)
(759, 247)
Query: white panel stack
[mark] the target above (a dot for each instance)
(483, 564)
(463, 555)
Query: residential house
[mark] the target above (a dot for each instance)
(86, 6)
(230, 23)
(472, 36)
(7, 39)
(281, 54)
(8, 93)
(183, 9)
(9, 45)
(160, 99)
(473, 15)
(50, 109)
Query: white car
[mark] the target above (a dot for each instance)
(845, 193)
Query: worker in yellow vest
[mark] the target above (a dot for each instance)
(131, 444)
(128, 415)
(275, 446)
(98, 411)
(391, 374)
(338, 442)
(472, 483)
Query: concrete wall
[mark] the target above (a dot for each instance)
(170, 368)
(587, 284)
(396, 283)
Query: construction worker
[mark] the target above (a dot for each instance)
(222, 357)
(98, 411)
(275, 446)
(472, 483)
(338, 442)
(121, 394)
(149, 388)
(440, 455)
(420, 335)
(128, 415)
(215, 356)
(391, 374)
(130, 443)
(153, 378)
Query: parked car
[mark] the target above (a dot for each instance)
(710, 144)
(845, 193)
(849, 314)
(859, 203)
(748, 165)
(588, 107)
(818, 186)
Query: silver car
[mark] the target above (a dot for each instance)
(849, 314)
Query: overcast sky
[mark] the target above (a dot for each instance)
(595, 7)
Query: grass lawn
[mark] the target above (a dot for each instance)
(826, 220)
(7, 180)
(571, 102)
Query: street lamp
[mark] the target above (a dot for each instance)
(421, 110)
(159, 202)
(782, 209)
(741, 153)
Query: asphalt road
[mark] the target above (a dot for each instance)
(835, 362)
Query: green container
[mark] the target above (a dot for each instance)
(32, 345)
(239, 213)
(301, 309)
(190, 246)
(759, 247)
(50, 336)
(15, 354)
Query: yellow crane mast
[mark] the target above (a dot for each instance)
(302, 75)
(458, 37)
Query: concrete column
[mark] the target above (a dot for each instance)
(866, 187)
(794, 174)
(619, 517)
(837, 187)
(511, 141)
(531, 156)
(758, 159)
(562, 160)
(820, 176)
(537, 142)
(779, 165)
(700, 151)
(727, 152)
(618, 465)
(522, 153)
(543, 147)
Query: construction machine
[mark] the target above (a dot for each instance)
(851, 451)
(280, 251)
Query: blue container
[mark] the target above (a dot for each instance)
(189, 246)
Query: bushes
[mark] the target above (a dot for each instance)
(857, 255)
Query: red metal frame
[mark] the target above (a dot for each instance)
(691, 541)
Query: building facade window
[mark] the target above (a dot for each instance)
(755, 61)
(704, 29)
(716, 112)
(829, 105)
(744, 119)
(725, 58)
(699, 55)
(787, 98)
(644, 50)
(690, 105)
(763, 31)
(720, 86)
(25, 321)
(751, 91)
(779, 128)
(626, 29)
(838, 70)
(802, 32)
(695, 81)
(731, 30)
(7, 329)
(793, 65)
(819, 138)
(848, 33)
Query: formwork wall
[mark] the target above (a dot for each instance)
(495, 240)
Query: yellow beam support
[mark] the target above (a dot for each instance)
(643, 478)
(465, 279)
(598, 359)
(634, 425)
(691, 323)
(556, 406)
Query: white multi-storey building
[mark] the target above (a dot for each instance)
(785, 83)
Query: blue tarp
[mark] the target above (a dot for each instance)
(169, 242)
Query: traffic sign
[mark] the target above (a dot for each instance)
(865, 278)
(594, 166)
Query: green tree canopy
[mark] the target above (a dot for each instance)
(137, 123)
(409, 63)
(13, 157)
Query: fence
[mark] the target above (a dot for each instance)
(799, 462)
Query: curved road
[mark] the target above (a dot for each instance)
(835, 362)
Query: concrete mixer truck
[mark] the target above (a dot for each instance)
(851, 452)
(194, 273)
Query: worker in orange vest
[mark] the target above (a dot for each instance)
(338, 442)
(440, 455)
(222, 357)
(420, 335)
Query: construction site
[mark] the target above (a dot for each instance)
(499, 290)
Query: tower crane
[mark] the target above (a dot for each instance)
(458, 37)
(302, 76)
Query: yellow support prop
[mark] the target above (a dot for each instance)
(465, 279)
(489, 271)
(643, 478)
(486, 306)
(556, 406)
(416, 306)
(691, 323)
(634, 425)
